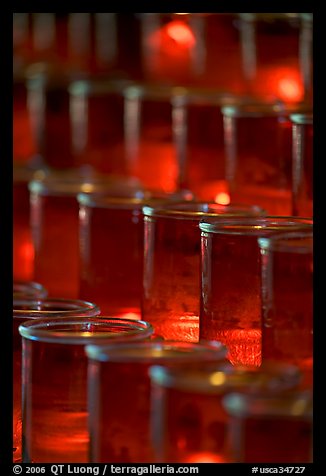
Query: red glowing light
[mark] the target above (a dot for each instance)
(130, 315)
(204, 457)
(180, 33)
(222, 198)
(290, 89)
(27, 251)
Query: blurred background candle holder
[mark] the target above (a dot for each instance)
(23, 248)
(258, 147)
(272, 45)
(54, 218)
(97, 124)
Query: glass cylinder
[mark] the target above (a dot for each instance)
(171, 282)
(54, 398)
(302, 156)
(112, 250)
(197, 122)
(258, 147)
(48, 108)
(97, 124)
(192, 49)
(267, 428)
(189, 422)
(119, 394)
(270, 54)
(287, 299)
(148, 133)
(23, 249)
(25, 309)
(55, 225)
(231, 300)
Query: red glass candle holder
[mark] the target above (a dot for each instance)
(199, 141)
(119, 394)
(287, 299)
(171, 283)
(54, 404)
(23, 249)
(112, 250)
(97, 124)
(189, 422)
(231, 300)
(271, 428)
(55, 225)
(192, 49)
(25, 309)
(271, 45)
(302, 175)
(148, 133)
(258, 141)
(48, 107)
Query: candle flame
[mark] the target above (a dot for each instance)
(289, 89)
(180, 33)
(222, 198)
(204, 457)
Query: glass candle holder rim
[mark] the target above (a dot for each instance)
(24, 174)
(143, 352)
(258, 404)
(171, 210)
(269, 16)
(71, 186)
(49, 75)
(226, 376)
(144, 198)
(98, 86)
(253, 225)
(28, 288)
(288, 241)
(65, 307)
(259, 109)
(44, 330)
(303, 118)
(181, 95)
